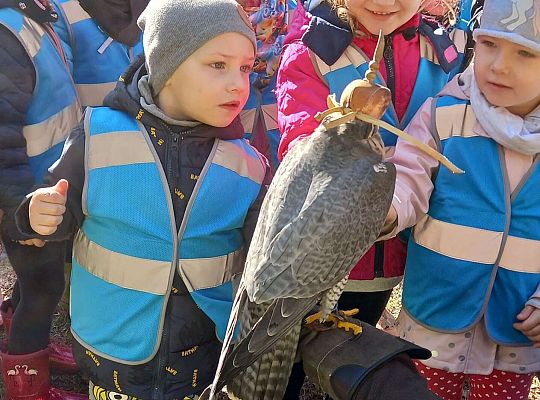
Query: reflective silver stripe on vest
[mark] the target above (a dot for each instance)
(202, 273)
(456, 120)
(477, 245)
(94, 94)
(102, 147)
(31, 34)
(459, 37)
(129, 272)
(74, 12)
(58, 126)
(350, 56)
(231, 156)
(355, 57)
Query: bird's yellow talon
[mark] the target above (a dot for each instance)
(350, 313)
(313, 318)
(357, 329)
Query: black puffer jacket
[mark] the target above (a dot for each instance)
(17, 80)
(189, 350)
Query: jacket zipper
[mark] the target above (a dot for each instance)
(388, 56)
(159, 385)
(171, 163)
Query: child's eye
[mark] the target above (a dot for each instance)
(218, 65)
(246, 68)
(487, 43)
(525, 53)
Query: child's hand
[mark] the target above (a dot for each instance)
(47, 208)
(32, 242)
(530, 324)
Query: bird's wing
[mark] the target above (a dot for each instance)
(287, 192)
(319, 239)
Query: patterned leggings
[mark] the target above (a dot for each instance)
(97, 393)
(499, 385)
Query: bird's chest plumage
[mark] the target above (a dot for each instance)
(328, 203)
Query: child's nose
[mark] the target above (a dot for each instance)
(500, 64)
(238, 82)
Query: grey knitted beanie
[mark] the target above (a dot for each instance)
(515, 20)
(175, 29)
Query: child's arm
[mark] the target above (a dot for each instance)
(300, 94)
(55, 212)
(414, 170)
(529, 319)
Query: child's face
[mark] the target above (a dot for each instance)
(212, 85)
(507, 74)
(387, 15)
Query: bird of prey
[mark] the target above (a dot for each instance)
(324, 209)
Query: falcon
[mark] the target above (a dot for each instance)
(324, 209)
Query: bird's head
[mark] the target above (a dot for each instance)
(364, 95)
(360, 97)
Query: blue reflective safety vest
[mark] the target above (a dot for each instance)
(477, 251)
(127, 250)
(97, 60)
(431, 78)
(54, 109)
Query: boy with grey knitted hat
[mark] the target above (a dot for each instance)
(477, 307)
(163, 198)
(173, 30)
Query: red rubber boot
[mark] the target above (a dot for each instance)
(26, 377)
(61, 357)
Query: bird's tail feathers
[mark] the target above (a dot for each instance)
(276, 321)
(267, 377)
(239, 299)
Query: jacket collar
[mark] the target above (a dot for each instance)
(337, 33)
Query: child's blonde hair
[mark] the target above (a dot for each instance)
(342, 13)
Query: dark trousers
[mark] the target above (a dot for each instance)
(40, 284)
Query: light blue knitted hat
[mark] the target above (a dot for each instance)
(515, 20)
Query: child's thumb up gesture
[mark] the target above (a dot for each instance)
(47, 208)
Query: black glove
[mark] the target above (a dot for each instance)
(348, 367)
